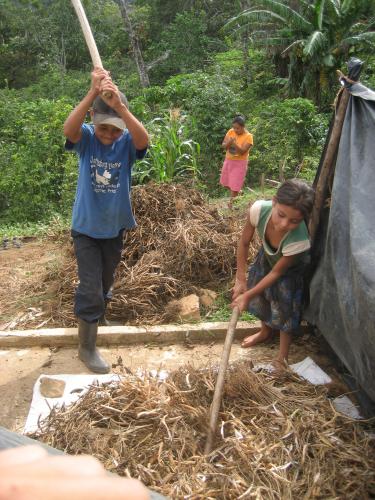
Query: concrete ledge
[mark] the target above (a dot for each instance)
(127, 335)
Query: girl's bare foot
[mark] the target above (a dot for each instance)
(263, 335)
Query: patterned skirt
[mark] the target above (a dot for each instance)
(279, 306)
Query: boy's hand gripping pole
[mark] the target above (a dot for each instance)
(216, 401)
(87, 33)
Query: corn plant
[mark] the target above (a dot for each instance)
(171, 156)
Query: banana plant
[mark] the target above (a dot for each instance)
(314, 36)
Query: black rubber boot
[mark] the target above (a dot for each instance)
(87, 351)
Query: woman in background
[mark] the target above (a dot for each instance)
(237, 143)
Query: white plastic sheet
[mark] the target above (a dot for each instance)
(75, 386)
(310, 371)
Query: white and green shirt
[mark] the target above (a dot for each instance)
(295, 242)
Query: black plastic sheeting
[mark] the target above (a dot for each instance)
(342, 290)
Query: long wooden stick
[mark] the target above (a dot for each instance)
(87, 33)
(328, 162)
(216, 401)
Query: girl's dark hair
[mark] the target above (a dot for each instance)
(240, 119)
(297, 194)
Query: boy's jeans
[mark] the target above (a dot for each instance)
(97, 260)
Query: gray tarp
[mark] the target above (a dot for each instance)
(342, 290)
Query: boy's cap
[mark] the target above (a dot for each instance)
(105, 115)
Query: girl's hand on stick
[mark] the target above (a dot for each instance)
(239, 288)
(242, 301)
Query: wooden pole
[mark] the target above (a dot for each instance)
(89, 37)
(282, 170)
(216, 401)
(328, 162)
(87, 33)
(262, 183)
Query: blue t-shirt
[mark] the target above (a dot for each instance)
(102, 205)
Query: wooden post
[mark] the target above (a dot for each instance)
(262, 183)
(328, 162)
(282, 170)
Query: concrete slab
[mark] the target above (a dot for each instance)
(127, 335)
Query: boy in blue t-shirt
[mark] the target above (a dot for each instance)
(102, 210)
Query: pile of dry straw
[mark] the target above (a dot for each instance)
(180, 243)
(276, 439)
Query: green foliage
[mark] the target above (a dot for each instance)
(289, 134)
(222, 312)
(32, 159)
(164, 12)
(368, 74)
(56, 83)
(208, 101)
(56, 225)
(211, 104)
(23, 51)
(317, 36)
(289, 137)
(170, 156)
(187, 43)
(242, 201)
(35, 36)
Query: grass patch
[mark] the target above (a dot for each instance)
(242, 201)
(249, 196)
(221, 311)
(51, 227)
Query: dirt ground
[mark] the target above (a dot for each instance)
(20, 368)
(20, 267)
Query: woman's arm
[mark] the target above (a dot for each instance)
(276, 272)
(227, 142)
(242, 255)
(242, 149)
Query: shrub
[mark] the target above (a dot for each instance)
(33, 162)
(288, 136)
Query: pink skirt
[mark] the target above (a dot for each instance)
(233, 174)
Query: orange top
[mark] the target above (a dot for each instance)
(240, 140)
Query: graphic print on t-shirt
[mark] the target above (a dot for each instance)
(104, 175)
